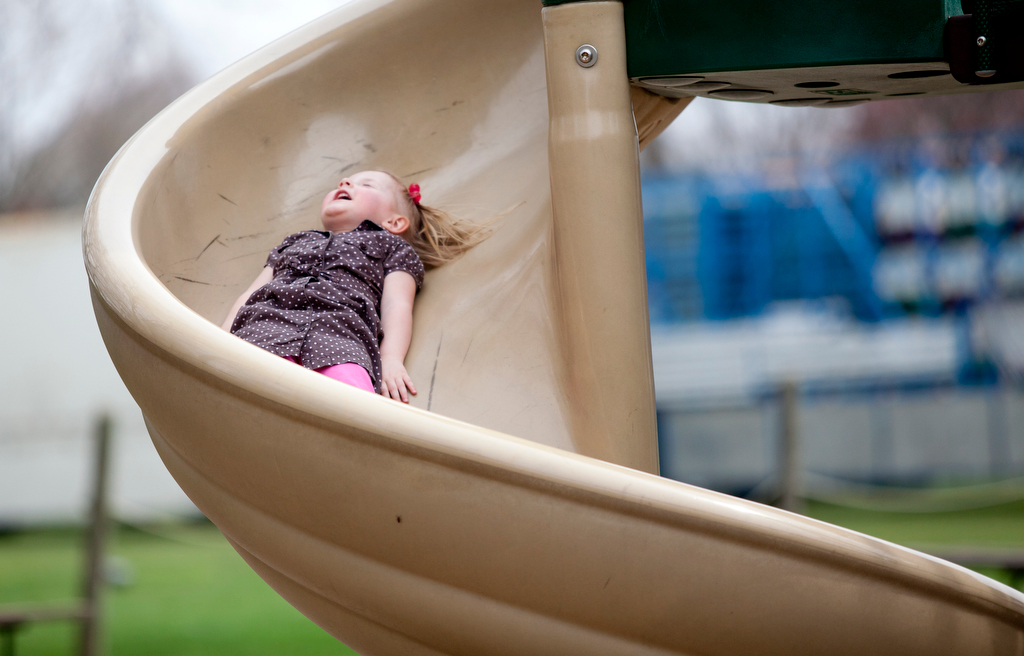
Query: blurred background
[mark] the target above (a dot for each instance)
(872, 257)
(835, 295)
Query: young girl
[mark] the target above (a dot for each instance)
(340, 300)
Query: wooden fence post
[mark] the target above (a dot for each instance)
(789, 448)
(97, 535)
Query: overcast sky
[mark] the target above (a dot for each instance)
(58, 56)
(216, 33)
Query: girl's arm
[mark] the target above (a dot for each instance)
(396, 321)
(266, 275)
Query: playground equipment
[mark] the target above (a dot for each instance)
(796, 54)
(514, 508)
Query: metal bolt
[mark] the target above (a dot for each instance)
(982, 41)
(586, 55)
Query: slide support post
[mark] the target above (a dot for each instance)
(598, 235)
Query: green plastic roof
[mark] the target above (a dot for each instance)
(673, 37)
(666, 37)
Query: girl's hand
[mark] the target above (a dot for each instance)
(395, 381)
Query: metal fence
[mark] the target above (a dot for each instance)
(882, 437)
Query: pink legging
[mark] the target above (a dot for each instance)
(349, 373)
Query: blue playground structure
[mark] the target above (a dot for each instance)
(897, 229)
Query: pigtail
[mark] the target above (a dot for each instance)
(435, 235)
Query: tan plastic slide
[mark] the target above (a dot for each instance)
(484, 518)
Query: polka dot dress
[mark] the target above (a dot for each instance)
(323, 305)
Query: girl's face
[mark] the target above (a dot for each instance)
(364, 196)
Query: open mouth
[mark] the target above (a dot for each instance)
(342, 194)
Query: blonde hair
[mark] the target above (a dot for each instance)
(435, 235)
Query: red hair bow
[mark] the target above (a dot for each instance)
(414, 193)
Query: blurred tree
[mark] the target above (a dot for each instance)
(79, 79)
(722, 136)
(940, 115)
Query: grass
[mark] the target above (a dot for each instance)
(996, 526)
(999, 526)
(191, 595)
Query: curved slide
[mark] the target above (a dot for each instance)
(471, 522)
